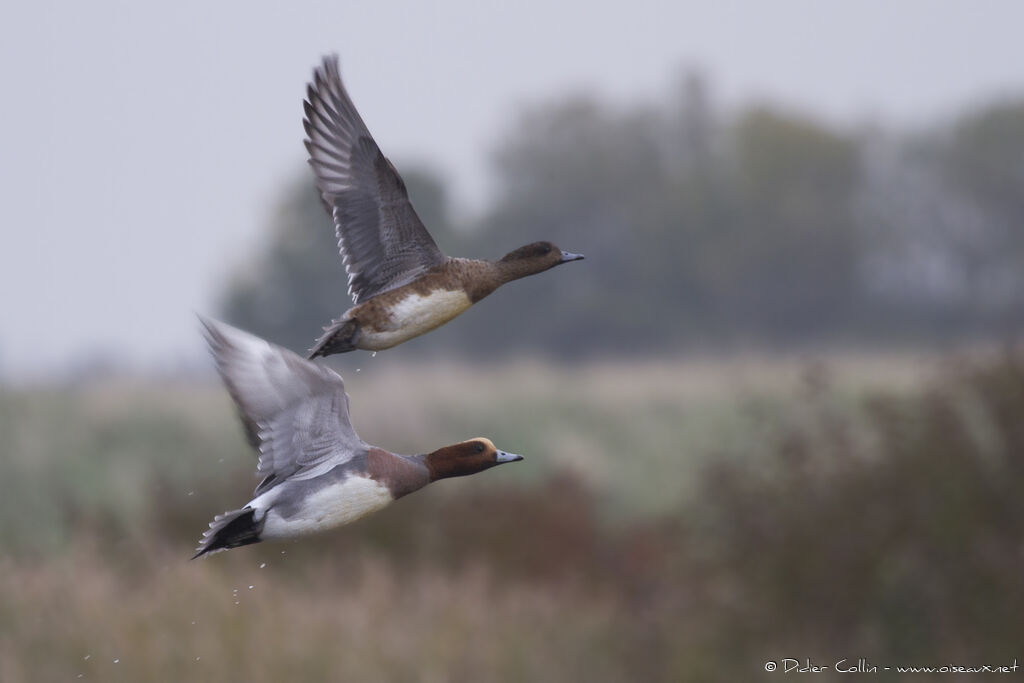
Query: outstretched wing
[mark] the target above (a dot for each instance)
(295, 412)
(382, 241)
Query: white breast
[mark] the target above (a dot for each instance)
(329, 507)
(414, 315)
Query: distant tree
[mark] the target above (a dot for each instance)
(585, 177)
(701, 228)
(694, 231)
(984, 162)
(944, 214)
(985, 157)
(786, 262)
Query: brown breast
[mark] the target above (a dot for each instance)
(401, 475)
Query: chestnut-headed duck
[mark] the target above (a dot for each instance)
(401, 284)
(317, 472)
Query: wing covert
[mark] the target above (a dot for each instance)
(383, 243)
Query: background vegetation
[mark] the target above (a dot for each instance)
(710, 482)
(671, 522)
(704, 228)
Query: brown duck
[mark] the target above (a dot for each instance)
(401, 284)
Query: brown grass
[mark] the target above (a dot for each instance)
(502, 585)
(201, 621)
(822, 516)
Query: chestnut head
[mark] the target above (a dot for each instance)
(468, 457)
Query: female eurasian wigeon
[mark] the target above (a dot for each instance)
(317, 472)
(400, 282)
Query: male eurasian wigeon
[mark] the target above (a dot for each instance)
(401, 284)
(317, 472)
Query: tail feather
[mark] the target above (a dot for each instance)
(230, 530)
(338, 337)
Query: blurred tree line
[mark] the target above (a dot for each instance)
(703, 228)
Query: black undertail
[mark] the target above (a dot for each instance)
(230, 530)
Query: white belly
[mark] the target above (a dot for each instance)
(329, 507)
(414, 315)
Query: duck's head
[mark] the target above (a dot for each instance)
(537, 257)
(468, 457)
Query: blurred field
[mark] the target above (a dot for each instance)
(118, 454)
(673, 521)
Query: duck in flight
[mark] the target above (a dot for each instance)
(317, 472)
(401, 284)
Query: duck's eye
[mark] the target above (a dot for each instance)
(546, 249)
(479, 448)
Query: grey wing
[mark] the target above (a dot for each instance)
(382, 241)
(296, 413)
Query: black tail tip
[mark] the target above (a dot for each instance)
(230, 530)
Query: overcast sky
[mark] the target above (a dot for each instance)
(142, 149)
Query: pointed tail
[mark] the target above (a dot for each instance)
(338, 337)
(230, 530)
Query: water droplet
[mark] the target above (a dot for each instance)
(191, 493)
(116, 661)
(373, 355)
(358, 369)
(197, 659)
(86, 657)
(251, 587)
(193, 622)
(236, 602)
(262, 565)
(282, 552)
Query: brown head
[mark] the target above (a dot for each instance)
(535, 258)
(468, 457)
